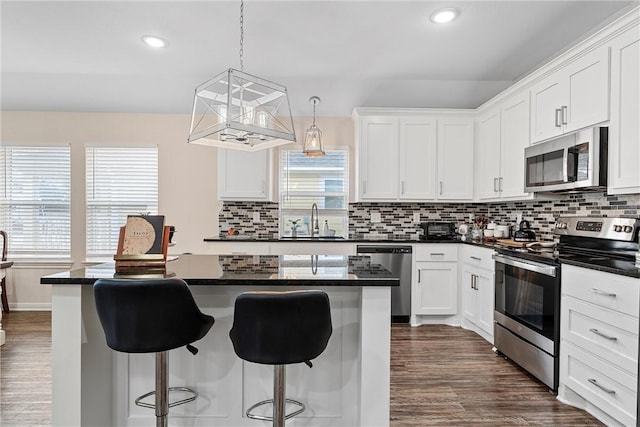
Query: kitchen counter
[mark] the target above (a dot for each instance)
(615, 266)
(249, 270)
(349, 384)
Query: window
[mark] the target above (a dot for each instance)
(306, 180)
(35, 201)
(120, 182)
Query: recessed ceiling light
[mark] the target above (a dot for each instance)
(442, 16)
(154, 41)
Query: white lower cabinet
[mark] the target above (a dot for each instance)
(435, 287)
(477, 287)
(599, 343)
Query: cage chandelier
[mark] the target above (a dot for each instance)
(239, 111)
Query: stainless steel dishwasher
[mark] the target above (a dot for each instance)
(396, 259)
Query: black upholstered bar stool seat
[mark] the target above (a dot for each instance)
(280, 328)
(151, 316)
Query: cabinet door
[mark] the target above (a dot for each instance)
(624, 127)
(418, 151)
(515, 138)
(487, 158)
(547, 99)
(379, 158)
(587, 101)
(244, 175)
(484, 300)
(455, 159)
(469, 294)
(436, 288)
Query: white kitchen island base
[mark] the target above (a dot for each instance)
(347, 386)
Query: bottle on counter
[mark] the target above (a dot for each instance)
(325, 228)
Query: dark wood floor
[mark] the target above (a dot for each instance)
(440, 376)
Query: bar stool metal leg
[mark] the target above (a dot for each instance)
(162, 401)
(279, 385)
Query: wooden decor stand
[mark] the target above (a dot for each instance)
(141, 263)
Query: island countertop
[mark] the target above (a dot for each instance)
(249, 270)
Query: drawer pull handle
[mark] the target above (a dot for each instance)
(437, 253)
(606, 294)
(476, 258)
(597, 332)
(606, 390)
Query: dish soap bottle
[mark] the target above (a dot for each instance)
(325, 228)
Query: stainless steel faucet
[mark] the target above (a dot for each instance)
(315, 228)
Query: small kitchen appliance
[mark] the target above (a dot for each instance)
(438, 231)
(524, 233)
(527, 286)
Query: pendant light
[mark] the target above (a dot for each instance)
(313, 139)
(239, 111)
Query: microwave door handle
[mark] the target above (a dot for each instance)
(565, 165)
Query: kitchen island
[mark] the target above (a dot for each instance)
(347, 386)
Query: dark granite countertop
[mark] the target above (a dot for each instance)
(609, 265)
(249, 270)
(5, 264)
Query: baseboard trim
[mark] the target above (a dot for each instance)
(26, 306)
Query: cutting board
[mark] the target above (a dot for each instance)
(511, 243)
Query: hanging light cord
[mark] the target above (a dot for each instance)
(241, 35)
(314, 113)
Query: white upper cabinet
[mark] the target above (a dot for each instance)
(455, 159)
(574, 97)
(514, 131)
(418, 154)
(624, 127)
(244, 175)
(488, 153)
(501, 137)
(415, 158)
(379, 158)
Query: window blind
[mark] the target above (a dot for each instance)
(120, 182)
(305, 180)
(35, 200)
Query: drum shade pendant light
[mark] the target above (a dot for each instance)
(239, 111)
(313, 138)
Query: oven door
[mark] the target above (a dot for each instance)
(527, 300)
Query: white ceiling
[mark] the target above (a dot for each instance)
(88, 56)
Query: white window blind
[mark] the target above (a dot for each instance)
(323, 180)
(35, 200)
(120, 182)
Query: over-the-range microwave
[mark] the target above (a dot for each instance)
(571, 162)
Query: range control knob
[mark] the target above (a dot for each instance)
(628, 229)
(617, 228)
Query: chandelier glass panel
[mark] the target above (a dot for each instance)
(239, 111)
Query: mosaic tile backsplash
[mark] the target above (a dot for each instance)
(397, 218)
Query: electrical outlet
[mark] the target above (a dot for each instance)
(416, 217)
(375, 217)
(256, 217)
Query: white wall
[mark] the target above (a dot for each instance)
(187, 180)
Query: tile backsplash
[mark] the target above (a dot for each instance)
(396, 219)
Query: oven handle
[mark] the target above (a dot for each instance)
(536, 267)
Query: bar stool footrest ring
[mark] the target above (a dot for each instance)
(270, 402)
(194, 396)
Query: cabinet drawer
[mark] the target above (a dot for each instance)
(434, 252)
(606, 333)
(477, 256)
(606, 387)
(607, 290)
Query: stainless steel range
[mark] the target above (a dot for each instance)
(527, 287)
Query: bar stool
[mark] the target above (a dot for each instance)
(280, 328)
(151, 316)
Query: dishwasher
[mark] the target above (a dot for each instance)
(396, 259)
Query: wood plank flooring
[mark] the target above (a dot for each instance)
(440, 376)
